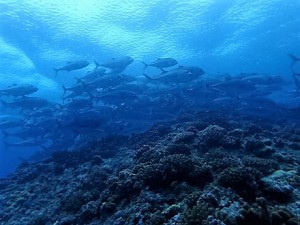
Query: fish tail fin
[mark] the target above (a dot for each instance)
(63, 99)
(56, 71)
(294, 61)
(96, 64)
(148, 77)
(5, 104)
(297, 82)
(163, 71)
(92, 97)
(58, 123)
(145, 65)
(294, 58)
(80, 81)
(60, 106)
(65, 89)
(5, 134)
(77, 80)
(44, 148)
(6, 145)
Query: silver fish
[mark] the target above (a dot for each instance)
(174, 76)
(30, 142)
(115, 97)
(26, 103)
(108, 81)
(9, 121)
(234, 86)
(90, 76)
(70, 66)
(161, 63)
(19, 90)
(118, 64)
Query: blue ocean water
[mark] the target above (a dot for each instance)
(224, 38)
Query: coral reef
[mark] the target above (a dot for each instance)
(203, 169)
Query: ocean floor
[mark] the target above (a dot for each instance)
(210, 168)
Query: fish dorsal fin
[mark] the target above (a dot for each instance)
(163, 71)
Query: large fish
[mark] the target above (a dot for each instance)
(26, 132)
(77, 89)
(108, 81)
(235, 86)
(297, 83)
(161, 63)
(127, 127)
(46, 111)
(90, 76)
(260, 79)
(9, 121)
(19, 90)
(30, 142)
(137, 88)
(174, 76)
(116, 97)
(85, 119)
(47, 123)
(116, 64)
(294, 59)
(78, 104)
(70, 66)
(30, 103)
(194, 70)
(293, 70)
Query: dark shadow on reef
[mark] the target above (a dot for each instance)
(203, 168)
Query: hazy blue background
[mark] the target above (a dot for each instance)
(220, 36)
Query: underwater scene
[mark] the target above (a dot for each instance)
(161, 112)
